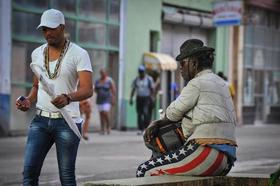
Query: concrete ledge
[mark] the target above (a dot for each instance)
(166, 180)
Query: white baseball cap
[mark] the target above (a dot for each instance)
(52, 18)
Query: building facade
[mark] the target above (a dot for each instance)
(161, 26)
(261, 66)
(118, 34)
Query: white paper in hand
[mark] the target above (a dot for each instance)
(49, 88)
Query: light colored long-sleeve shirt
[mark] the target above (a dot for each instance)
(206, 108)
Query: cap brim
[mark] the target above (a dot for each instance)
(49, 25)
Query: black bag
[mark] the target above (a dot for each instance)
(167, 138)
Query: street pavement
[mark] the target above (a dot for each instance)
(117, 156)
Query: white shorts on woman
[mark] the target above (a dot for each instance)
(104, 107)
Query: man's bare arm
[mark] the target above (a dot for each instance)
(83, 92)
(26, 103)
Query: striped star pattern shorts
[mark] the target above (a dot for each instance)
(191, 159)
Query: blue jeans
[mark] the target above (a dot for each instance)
(43, 133)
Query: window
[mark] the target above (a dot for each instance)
(92, 24)
(68, 6)
(98, 59)
(70, 29)
(261, 59)
(32, 3)
(114, 12)
(21, 56)
(92, 33)
(113, 36)
(26, 24)
(93, 8)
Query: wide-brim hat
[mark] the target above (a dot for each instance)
(192, 47)
(52, 18)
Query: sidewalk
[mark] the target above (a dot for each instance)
(116, 156)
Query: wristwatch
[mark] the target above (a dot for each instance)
(68, 98)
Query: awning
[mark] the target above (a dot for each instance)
(158, 61)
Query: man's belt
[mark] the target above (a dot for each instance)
(52, 115)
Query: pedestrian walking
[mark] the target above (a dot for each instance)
(206, 112)
(66, 67)
(230, 86)
(143, 85)
(85, 108)
(106, 95)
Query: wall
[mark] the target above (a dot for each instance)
(141, 18)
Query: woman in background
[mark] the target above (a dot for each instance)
(106, 91)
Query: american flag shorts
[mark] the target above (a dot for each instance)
(191, 159)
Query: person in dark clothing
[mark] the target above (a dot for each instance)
(143, 85)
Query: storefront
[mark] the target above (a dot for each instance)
(160, 27)
(162, 68)
(178, 25)
(261, 85)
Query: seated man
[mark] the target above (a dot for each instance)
(206, 111)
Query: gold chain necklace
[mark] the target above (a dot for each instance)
(58, 64)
